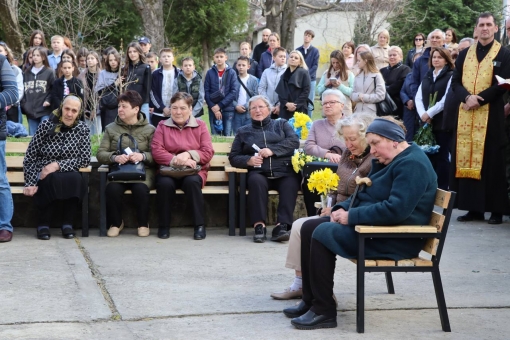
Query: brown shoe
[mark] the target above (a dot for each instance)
(288, 294)
(5, 236)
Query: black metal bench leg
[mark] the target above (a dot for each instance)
(389, 283)
(360, 286)
(441, 303)
(231, 204)
(102, 203)
(85, 206)
(242, 204)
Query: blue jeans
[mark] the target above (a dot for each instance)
(6, 205)
(34, 123)
(311, 96)
(227, 117)
(240, 119)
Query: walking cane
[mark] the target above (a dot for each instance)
(359, 183)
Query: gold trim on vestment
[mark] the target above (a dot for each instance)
(472, 125)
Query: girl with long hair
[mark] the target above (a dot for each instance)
(369, 87)
(89, 76)
(108, 87)
(137, 74)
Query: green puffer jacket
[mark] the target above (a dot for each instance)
(142, 131)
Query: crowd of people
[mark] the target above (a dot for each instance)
(145, 104)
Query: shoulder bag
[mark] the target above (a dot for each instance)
(178, 172)
(386, 106)
(128, 171)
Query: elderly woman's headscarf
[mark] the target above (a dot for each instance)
(56, 119)
(388, 129)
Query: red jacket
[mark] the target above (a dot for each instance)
(169, 140)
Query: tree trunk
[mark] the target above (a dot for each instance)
(288, 25)
(151, 12)
(206, 61)
(274, 23)
(10, 25)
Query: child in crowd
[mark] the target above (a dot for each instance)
(245, 50)
(153, 60)
(271, 77)
(188, 80)
(68, 55)
(247, 89)
(221, 89)
(137, 74)
(38, 80)
(82, 59)
(57, 45)
(89, 78)
(108, 87)
(162, 86)
(65, 85)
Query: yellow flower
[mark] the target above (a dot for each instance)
(308, 159)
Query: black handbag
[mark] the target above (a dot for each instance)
(128, 171)
(387, 106)
(109, 98)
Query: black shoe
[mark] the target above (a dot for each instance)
(260, 234)
(199, 232)
(296, 311)
(310, 321)
(496, 219)
(280, 233)
(43, 233)
(164, 232)
(471, 216)
(67, 231)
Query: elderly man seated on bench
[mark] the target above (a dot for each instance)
(390, 200)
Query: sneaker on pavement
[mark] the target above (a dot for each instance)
(260, 234)
(280, 233)
(288, 294)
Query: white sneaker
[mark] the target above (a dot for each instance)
(114, 231)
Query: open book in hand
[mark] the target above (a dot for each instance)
(504, 83)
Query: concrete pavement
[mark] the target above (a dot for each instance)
(146, 288)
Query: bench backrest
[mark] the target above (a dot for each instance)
(217, 174)
(445, 201)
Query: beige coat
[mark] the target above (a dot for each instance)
(364, 84)
(380, 55)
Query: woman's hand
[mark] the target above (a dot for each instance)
(121, 159)
(335, 83)
(276, 110)
(191, 163)
(340, 216)
(425, 118)
(410, 104)
(266, 153)
(30, 191)
(46, 104)
(135, 157)
(325, 212)
(48, 169)
(333, 157)
(255, 161)
(291, 107)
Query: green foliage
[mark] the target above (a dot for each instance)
(192, 23)
(426, 15)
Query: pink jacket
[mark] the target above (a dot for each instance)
(169, 140)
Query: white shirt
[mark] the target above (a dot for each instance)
(438, 107)
(166, 89)
(243, 97)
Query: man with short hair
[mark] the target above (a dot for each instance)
(478, 174)
(8, 96)
(145, 44)
(245, 50)
(465, 43)
(421, 66)
(57, 45)
(262, 46)
(311, 55)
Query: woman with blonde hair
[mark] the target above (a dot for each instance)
(369, 87)
(381, 49)
(294, 86)
(394, 76)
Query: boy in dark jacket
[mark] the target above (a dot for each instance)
(221, 89)
(163, 80)
(311, 55)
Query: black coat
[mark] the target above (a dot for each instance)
(57, 91)
(258, 50)
(293, 87)
(489, 194)
(430, 87)
(394, 77)
(139, 79)
(276, 135)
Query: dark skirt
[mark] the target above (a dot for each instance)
(59, 186)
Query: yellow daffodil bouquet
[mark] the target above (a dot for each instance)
(300, 158)
(323, 181)
(301, 123)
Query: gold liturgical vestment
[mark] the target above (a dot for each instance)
(472, 125)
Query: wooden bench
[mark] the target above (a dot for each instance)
(16, 178)
(435, 233)
(221, 180)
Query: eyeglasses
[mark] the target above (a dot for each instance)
(257, 108)
(418, 39)
(330, 103)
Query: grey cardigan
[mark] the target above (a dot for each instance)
(364, 84)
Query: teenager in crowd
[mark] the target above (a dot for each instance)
(162, 86)
(188, 80)
(137, 74)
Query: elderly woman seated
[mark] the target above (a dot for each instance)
(389, 201)
(322, 140)
(356, 161)
(265, 148)
(182, 141)
(60, 147)
(133, 122)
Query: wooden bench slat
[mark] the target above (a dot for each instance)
(222, 147)
(16, 147)
(362, 229)
(219, 161)
(206, 190)
(15, 177)
(431, 246)
(385, 263)
(405, 263)
(421, 262)
(16, 190)
(368, 263)
(437, 220)
(442, 198)
(14, 161)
